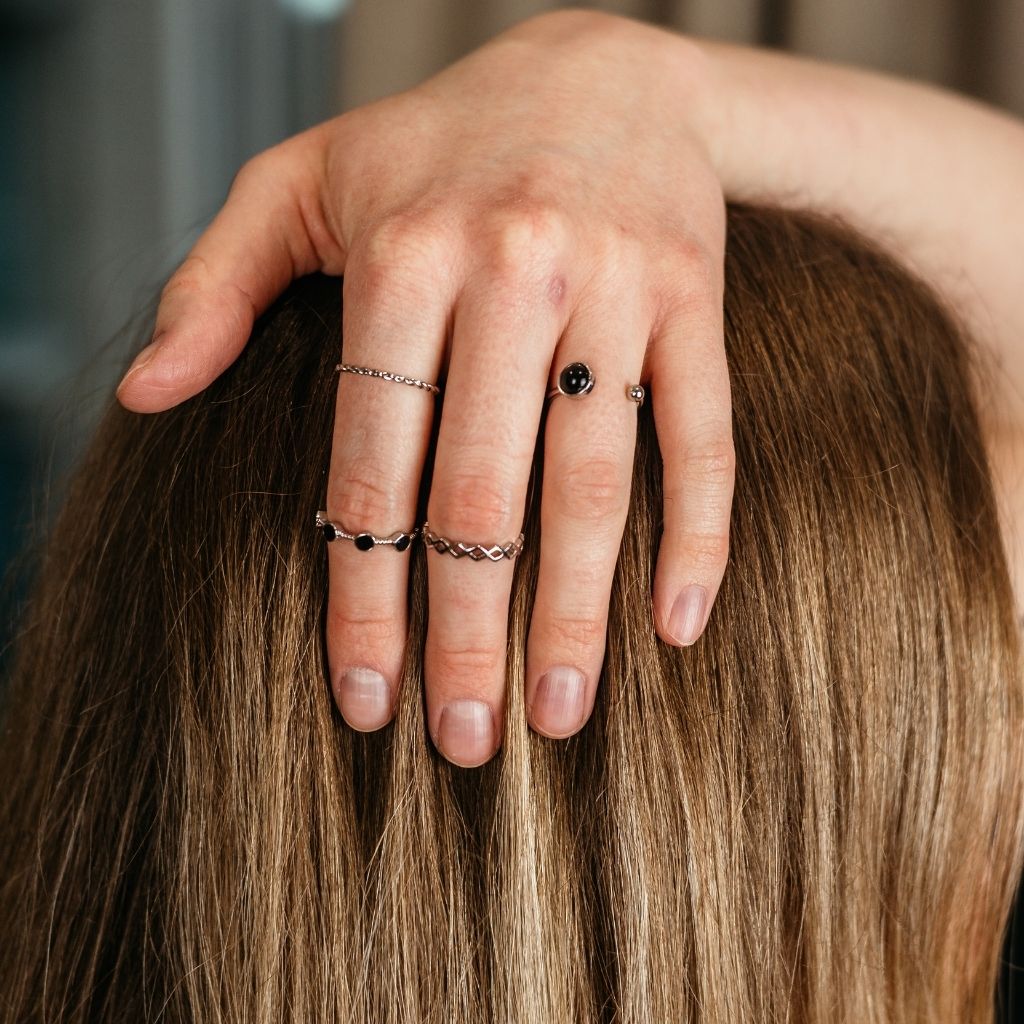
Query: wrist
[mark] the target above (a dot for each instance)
(615, 34)
(684, 64)
(690, 73)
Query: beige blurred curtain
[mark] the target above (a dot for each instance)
(976, 46)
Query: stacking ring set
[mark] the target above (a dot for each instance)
(575, 381)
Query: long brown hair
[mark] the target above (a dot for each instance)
(814, 814)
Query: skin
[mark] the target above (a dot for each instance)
(558, 195)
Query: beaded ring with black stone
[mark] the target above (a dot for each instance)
(400, 540)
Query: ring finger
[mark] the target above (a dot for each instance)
(588, 469)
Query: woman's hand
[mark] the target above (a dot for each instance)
(537, 203)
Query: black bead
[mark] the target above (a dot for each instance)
(364, 541)
(402, 542)
(575, 379)
(329, 531)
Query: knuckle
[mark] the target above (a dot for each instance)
(187, 279)
(524, 239)
(576, 634)
(704, 551)
(405, 246)
(473, 507)
(369, 628)
(473, 662)
(360, 499)
(689, 253)
(401, 235)
(257, 170)
(693, 272)
(711, 462)
(591, 488)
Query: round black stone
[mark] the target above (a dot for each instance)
(402, 542)
(575, 379)
(364, 541)
(329, 531)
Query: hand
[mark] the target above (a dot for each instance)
(538, 203)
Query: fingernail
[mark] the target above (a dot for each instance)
(465, 734)
(558, 701)
(364, 698)
(687, 614)
(143, 357)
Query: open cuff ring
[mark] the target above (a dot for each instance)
(363, 541)
(577, 380)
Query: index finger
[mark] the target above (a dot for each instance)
(270, 230)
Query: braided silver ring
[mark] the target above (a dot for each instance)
(398, 378)
(363, 541)
(477, 552)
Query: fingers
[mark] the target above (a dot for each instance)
(505, 330)
(396, 302)
(269, 231)
(693, 416)
(588, 469)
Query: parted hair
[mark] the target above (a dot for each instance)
(814, 814)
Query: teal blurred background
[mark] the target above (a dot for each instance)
(122, 123)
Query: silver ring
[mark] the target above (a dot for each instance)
(398, 378)
(577, 380)
(478, 552)
(363, 541)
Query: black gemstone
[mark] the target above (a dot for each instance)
(402, 542)
(329, 531)
(364, 541)
(575, 379)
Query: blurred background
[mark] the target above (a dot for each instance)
(123, 121)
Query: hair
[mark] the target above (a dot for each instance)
(813, 814)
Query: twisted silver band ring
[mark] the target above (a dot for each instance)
(477, 552)
(398, 378)
(363, 541)
(577, 380)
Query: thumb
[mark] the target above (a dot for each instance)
(271, 230)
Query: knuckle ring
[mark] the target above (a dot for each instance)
(578, 379)
(363, 541)
(477, 552)
(397, 378)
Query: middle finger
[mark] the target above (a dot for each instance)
(505, 330)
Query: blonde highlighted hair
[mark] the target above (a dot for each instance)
(814, 814)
